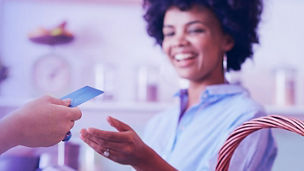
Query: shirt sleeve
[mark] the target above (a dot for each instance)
(256, 152)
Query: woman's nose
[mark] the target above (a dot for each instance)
(181, 40)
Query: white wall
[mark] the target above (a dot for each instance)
(104, 33)
(116, 33)
(281, 35)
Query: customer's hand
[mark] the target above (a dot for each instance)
(42, 122)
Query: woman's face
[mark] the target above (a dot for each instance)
(195, 44)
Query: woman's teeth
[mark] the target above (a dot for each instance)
(183, 56)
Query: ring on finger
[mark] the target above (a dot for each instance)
(106, 153)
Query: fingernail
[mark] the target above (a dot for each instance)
(110, 120)
(67, 101)
(90, 130)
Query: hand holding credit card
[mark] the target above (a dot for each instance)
(78, 97)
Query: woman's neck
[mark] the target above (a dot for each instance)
(196, 88)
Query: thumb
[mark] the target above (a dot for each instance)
(75, 113)
(120, 126)
(66, 102)
(57, 101)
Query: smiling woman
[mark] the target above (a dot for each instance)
(195, 44)
(196, 35)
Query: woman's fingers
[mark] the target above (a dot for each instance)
(102, 144)
(99, 149)
(85, 137)
(109, 135)
(108, 152)
(115, 146)
(123, 147)
(120, 126)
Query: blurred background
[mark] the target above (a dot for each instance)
(57, 46)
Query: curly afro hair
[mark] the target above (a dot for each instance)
(238, 18)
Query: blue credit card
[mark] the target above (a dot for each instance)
(82, 95)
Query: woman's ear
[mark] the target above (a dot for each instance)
(228, 43)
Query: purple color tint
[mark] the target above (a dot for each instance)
(152, 93)
(19, 163)
(71, 153)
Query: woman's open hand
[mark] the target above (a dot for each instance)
(124, 146)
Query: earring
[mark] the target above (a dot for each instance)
(225, 63)
(226, 74)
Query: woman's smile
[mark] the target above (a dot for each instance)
(182, 60)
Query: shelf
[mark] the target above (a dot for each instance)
(285, 110)
(126, 106)
(95, 105)
(52, 40)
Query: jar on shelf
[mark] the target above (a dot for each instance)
(285, 86)
(104, 79)
(147, 84)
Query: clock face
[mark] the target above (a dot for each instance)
(51, 74)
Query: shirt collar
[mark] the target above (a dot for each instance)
(218, 89)
(224, 89)
(181, 92)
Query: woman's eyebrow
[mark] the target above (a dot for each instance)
(187, 24)
(168, 26)
(197, 22)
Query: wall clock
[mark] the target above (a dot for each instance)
(51, 74)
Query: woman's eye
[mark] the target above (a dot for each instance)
(168, 34)
(196, 31)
